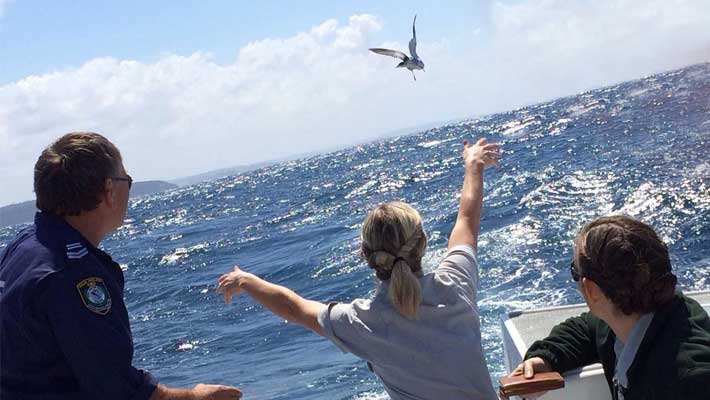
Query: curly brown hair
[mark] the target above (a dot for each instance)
(628, 261)
(70, 174)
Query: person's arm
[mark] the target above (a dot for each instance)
(571, 344)
(280, 300)
(199, 392)
(476, 158)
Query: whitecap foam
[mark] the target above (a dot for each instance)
(372, 395)
(513, 127)
(185, 346)
(362, 189)
(182, 252)
(433, 143)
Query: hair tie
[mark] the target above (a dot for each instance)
(399, 259)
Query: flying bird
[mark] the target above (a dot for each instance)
(410, 63)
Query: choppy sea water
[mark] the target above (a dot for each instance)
(640, 148)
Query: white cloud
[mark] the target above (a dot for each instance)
(187, 114)
(593, 42)
(320, 88)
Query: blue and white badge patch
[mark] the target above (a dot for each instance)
(95, 295)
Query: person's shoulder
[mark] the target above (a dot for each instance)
(695, 334)
(694, 308)
(686, 318)
(20, 243)
(32, 255)
(462, 249)
(363, 311)
(354, 316)
(459, 266)
(459, 255)
(360, 308)
(684, 330)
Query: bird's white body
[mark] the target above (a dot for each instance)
(410, 63)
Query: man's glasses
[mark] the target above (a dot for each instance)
(573, 270)
(126, 179)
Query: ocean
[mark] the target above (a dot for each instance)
(640, 148)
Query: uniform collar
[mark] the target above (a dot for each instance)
(56, 232)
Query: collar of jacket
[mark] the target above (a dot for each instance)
(659, 322)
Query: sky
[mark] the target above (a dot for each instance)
(184, 87)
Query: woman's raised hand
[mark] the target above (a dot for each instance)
(481, 153)
(230, 284)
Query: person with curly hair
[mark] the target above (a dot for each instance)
(653, 341)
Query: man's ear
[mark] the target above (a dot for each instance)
(109, 195)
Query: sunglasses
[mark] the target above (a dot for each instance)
(127, 178)
(573, 271)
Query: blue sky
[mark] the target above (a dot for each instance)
(42, 36)
(186, 87)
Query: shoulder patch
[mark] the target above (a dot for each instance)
(95, 295)
(76, 251)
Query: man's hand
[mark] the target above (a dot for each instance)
(230, 283)
(529, 367)
(481, 154)
(216, 392)
(199, 392)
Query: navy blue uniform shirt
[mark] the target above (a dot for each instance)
(64, 329)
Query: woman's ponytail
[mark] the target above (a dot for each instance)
(393, 243)
(405, 293)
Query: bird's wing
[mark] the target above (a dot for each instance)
(413, 42)
(391, 53)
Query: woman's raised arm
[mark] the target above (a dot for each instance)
(476, 157)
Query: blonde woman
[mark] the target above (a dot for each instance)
(421, 332)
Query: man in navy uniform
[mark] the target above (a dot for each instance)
(64, 329)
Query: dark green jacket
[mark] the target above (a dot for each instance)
(672, 362)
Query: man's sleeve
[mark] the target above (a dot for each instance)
(98, 348)
(571, 344)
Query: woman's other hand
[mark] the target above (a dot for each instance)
(481, 154)
(229, 284)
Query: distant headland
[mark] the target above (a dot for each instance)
(19, 213)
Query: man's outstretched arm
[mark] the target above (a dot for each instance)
(199, 392)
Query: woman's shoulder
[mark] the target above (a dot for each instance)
(360, 308)
(458, 269)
